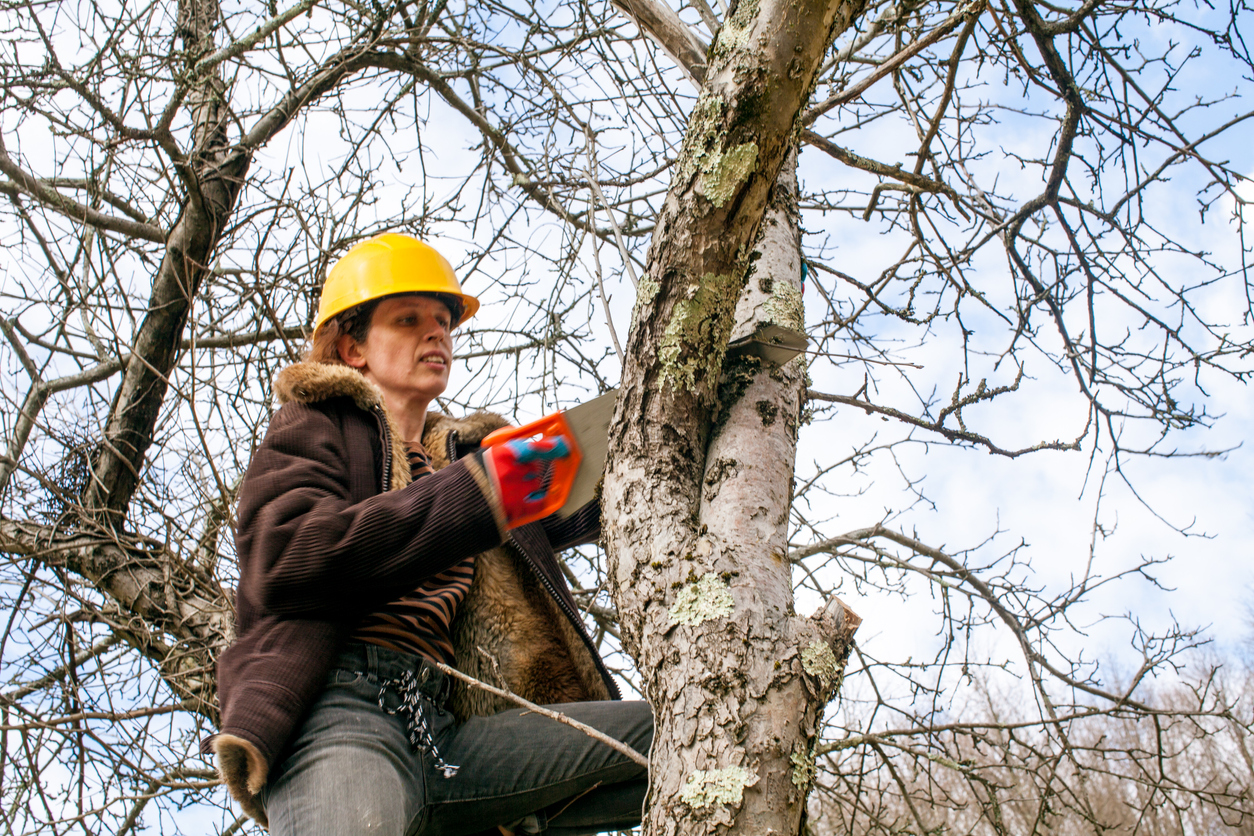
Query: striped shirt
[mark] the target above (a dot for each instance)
(419, 622)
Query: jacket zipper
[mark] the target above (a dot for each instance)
(386, 434)
(450, 446)
(450, 443)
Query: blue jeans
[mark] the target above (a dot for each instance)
(352, 770)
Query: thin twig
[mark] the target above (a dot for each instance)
(605, 302)
(618, 234)
(617, 745)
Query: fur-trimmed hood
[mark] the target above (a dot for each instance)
(310, 383)
(313, 382)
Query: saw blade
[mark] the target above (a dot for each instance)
(590, 424)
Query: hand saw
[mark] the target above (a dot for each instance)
(574, 479)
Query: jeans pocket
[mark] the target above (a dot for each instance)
(343, 676)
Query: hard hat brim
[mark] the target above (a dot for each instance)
(389, 265)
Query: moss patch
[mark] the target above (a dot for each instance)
(739, 371)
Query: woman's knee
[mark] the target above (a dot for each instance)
(343, 788)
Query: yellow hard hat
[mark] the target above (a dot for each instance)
(385, 265)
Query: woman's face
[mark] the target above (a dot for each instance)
(408, 350)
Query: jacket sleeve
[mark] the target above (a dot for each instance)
(583, 526)
(307, 549)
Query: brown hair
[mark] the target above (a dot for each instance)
(355, 322)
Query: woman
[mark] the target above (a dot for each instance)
(375, 539)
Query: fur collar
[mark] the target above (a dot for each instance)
(313, 382)
(309, 383)
(469, 430)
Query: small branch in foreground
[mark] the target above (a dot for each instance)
(894, 172)
(112, 716)
(893, 63)
(27, 183)
(617, 745)
(1012, 620)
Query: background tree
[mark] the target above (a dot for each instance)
(178, 177)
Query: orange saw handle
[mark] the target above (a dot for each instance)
(562, 471)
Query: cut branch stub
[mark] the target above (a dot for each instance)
(823, 659)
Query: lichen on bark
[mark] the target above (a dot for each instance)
(646, 291)
(695, 338)
(803, 768)
(707, 599)
(720, 170)
(785, 307)
(705, 788)
(705, 131)
(818, 660)
(723, 172)
(735, 33)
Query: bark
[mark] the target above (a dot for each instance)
(660, 21)
(702, 583)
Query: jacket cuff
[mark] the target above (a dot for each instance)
(244, 770)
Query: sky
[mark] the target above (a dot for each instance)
(1046, 500)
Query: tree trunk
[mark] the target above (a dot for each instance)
(702, 582)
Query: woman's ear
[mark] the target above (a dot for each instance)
(350, 351)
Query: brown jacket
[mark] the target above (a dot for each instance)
(330, 527)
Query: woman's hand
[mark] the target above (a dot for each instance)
(519, 470)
